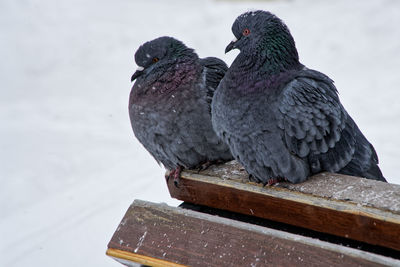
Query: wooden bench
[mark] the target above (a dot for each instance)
(331, 219)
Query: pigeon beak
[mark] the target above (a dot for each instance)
(138, 72)
(231, 45)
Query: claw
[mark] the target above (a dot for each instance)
(208, 163)
(176, 175)
(275, 180)
(253, 179)
(272, 181)
(176, 183)
(204, 166)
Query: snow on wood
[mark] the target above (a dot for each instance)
(345, 206)
(176, 237)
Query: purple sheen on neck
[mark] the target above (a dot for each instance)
(169, 80)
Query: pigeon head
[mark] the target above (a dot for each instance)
(263, 34)
(155, 55)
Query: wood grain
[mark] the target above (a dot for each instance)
(346, 206)
(132, 259)
(171, 236)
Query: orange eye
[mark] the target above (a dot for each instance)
(155, 59)
(246, 32)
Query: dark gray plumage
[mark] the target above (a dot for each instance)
(169, 105)
(280, 119)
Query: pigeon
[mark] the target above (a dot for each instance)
(283, 121)
(170, 105)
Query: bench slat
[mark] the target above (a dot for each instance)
(159, 235)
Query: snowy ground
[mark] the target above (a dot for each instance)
(69, 163)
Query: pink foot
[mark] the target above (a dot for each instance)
(175, 174)
(275, 180)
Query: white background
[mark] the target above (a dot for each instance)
(69, 163)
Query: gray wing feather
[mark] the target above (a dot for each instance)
(215, 70)
(314, 124)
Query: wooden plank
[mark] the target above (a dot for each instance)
(346, 206)
(128, 258)
(159, 235)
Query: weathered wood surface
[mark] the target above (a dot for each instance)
(159, 235)
(346, 206)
